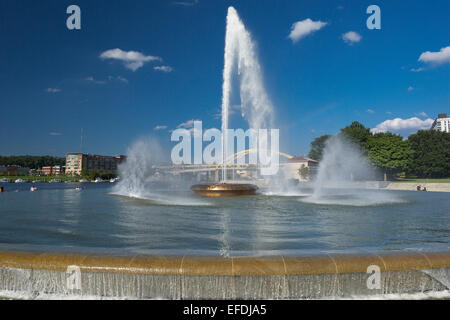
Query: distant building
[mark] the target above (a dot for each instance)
(14, 170)
(53, 170)
(290, 169)
(76, 162)
(442, 123)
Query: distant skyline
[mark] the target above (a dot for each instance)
(144, 68)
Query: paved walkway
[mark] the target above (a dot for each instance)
(436, 187)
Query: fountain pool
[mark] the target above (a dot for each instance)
(60, 218)
(255, 247)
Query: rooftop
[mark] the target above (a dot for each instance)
(302, 159)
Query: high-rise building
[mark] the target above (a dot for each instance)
(442, 123)
(76, 162)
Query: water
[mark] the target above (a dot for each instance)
(240, 54)
(342, 164)
(59, 218)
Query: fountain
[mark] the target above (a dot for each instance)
(255, 104)
(154, 240)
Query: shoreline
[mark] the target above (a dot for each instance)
(412, 186)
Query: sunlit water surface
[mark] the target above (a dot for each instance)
(59, 218)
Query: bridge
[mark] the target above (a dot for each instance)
(233, 164)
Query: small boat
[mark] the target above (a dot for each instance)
(54, 181)
(113, 180)
(33, 188)
(19, 181)
(4, 180)
(99, 180)
(35, 181)
(83, 181)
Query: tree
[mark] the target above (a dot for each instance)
(84, 172)
(317, 146)
(32, 162)
(430, 156)
(388, 152)
(304, 172)
(93, 175)
(358, 134)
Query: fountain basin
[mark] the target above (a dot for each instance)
(224, 189)
(185, 277)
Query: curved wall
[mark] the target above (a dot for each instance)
(321, 276)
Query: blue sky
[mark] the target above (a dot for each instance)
(55, 81)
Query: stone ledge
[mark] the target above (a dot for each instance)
(218, 266)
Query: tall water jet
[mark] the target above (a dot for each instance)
(256, 106)
(138, 170)
(341, 165)
(343, 175)
(141, 179)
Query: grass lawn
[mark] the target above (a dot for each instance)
(443, 180)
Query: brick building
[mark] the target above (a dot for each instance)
(53, 170)
(76, 162)
(13, 170)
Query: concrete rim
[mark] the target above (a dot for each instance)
(220, 266)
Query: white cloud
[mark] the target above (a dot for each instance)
(157, 128)
(163, 68)
(417, 69)
(187, 124)
(422, 114)
(54, 133)
(231, 111)
(351, 37)
(110, 78)
(301, 29)
(398, 124)
(440, 57)
(53, 90)
(370, 111)
(118, 78)
(132, 60)
(410, 88)
(185, 3)
(196, 133)
(92, 80)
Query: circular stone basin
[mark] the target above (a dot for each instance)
(224, 189)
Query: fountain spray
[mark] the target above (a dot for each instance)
(256, 106)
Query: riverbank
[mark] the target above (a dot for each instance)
(11, 179)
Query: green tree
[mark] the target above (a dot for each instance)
(317, 146)
(93, 175)
(388, 152)
(430, 156)
(304, 172)
(32, 162)
(357, 133)
(84, 172)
